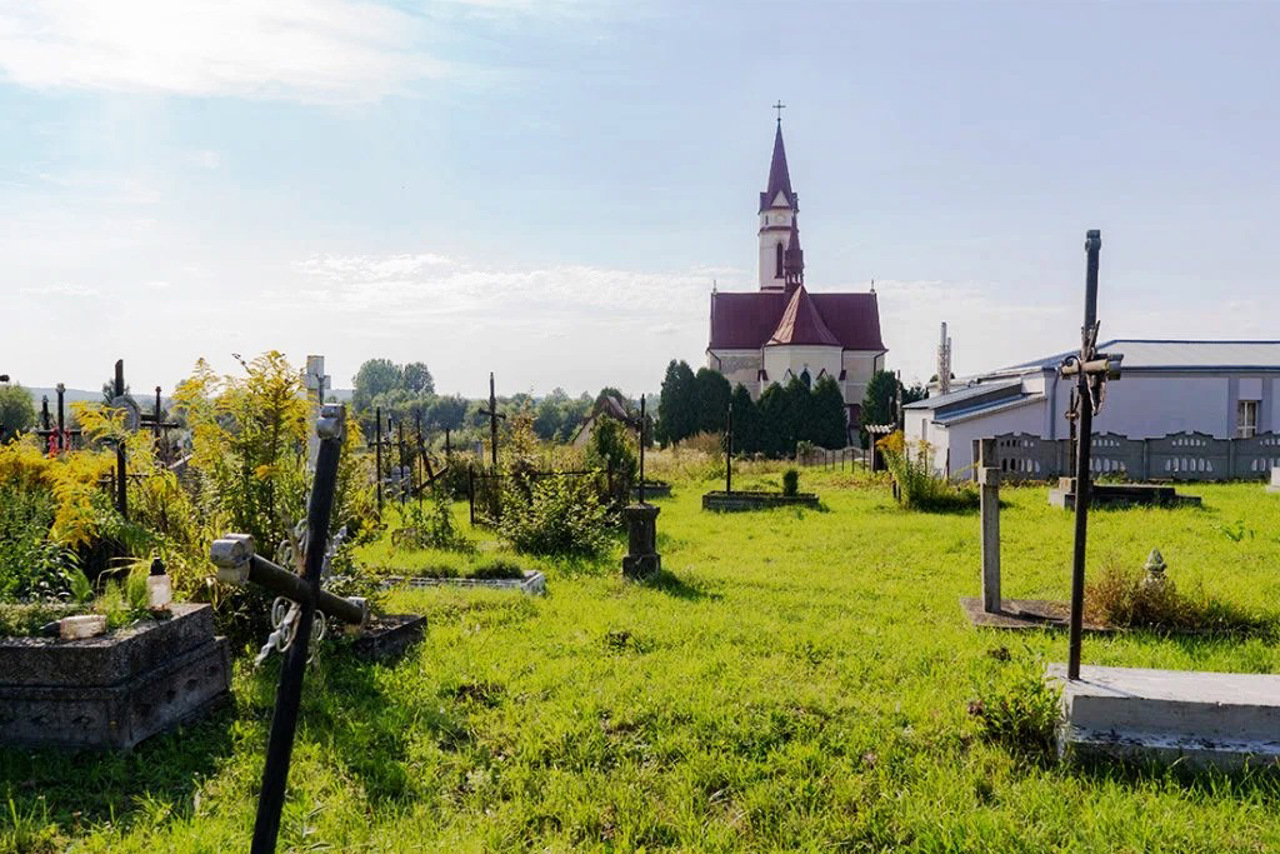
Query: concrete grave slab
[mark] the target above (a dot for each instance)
(1225, 720)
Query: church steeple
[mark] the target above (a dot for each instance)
(779, 205)
(793, 260)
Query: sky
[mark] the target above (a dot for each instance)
(548, 189)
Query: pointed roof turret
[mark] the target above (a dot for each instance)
(802, 324)
(793, 259)
(779, 176)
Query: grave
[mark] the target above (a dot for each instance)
(1274, 486)
(533, 583)
(642, 559)
(730, 501)
(114, 690)
(1221, 719)
(652, 489)
(991, 610)
(1121, 494)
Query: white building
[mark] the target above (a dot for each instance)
(1225, 389)
(782, 330)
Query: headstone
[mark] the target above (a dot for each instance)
(989, 484)
(1275, 480)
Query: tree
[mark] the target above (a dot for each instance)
(375, 377)
(712, 393)
(417, 379)
(677, 405)
(447, 413)
(747, 435)
(17, 411)
(878, 401)
(775, 420)
(828, 427)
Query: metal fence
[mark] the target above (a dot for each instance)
(1186, 456)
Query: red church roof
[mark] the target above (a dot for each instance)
(801, 324)
(747, 321)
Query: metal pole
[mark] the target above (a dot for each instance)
(493, 425)
(284, 722)
(377, 454)
(641, 495)
(728, 451)
(62, 391)
(122, 492)
(1092, 245)
(400, 478)
(471, 492)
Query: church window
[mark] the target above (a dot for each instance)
(777, 260)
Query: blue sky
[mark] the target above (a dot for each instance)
(548, 189)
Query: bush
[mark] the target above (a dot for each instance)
(1022, 716)
(430, 525)
(790, 482)
(919, 487)
(610, 449)
(31, 565)
(554, 516)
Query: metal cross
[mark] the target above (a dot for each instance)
(238, 563)
(494, 415)
(159, 428)
(641, 441)
(728, 450)
(1091, 370)
(376, 444)
(779, 107)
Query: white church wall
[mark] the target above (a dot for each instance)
(778, 360)
(859, 366)
(737, 366)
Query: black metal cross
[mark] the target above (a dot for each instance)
(728, 450)
(642, 444)
(376, 444)
(494, 415)
(158, 427)
(1091, 370)
(779, 107)
(238, 563)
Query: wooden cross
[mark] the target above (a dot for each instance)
(779, 107)
(1090, 370)
(494, 415)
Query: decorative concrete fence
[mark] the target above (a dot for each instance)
(1175, 457)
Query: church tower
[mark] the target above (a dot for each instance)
(778, 209)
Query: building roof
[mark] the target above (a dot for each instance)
(965, 395)
(747, 321)
(779, 176)
(801, 324)
(1175, 355)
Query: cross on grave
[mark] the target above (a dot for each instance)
(494, 415)
(376, 444)
(64, 435)
(1090, 371)
(158, 427)
(120, 400)
(728, 450)
(642, 559)
(429, 474)
(47, 431)
(238, 563)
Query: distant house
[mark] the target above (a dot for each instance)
(782, 331)
(609, 406)
(1221, 388)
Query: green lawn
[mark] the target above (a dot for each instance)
(799, 681)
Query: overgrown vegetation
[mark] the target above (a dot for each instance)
(430, 524)
(1020, 714)
(1128, 597)
(919, 486)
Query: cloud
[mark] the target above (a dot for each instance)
(205, 159)
(309, 50)
(60, 289)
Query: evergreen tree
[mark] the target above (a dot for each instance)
(677, 404)
(878, 402)
(829, 424)
(775, 420)
(747, 434)
(712, 392)
(799, 422)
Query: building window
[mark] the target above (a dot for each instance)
(1246, 419)
(777, 260)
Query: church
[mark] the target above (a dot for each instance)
(782, 331)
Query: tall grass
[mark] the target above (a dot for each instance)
(920, 488)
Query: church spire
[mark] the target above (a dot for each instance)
(779, 177)
(793, 259)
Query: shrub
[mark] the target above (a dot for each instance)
(920, 488)
(790, 482)
(610, 449)
(554, 516)
(31, 565)
(430, 525)
(711, 444)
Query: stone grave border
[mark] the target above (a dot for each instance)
(533, 583)
(737, 501)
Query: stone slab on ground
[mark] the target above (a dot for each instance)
(1113, 494)
(533, 583)
(730, 502)
(1225, 720)
(388, 637)
(183, 686)
(1024, 614)
(652, 489)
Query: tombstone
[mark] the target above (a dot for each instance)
(316, 381)
(1275, 480)
(642, 559)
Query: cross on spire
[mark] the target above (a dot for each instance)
(779, 107)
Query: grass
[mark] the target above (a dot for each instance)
(794, 680)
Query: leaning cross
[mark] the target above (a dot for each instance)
(238, 563)
(494, 415)
(1091, 371)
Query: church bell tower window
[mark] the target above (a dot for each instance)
(778, 260)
